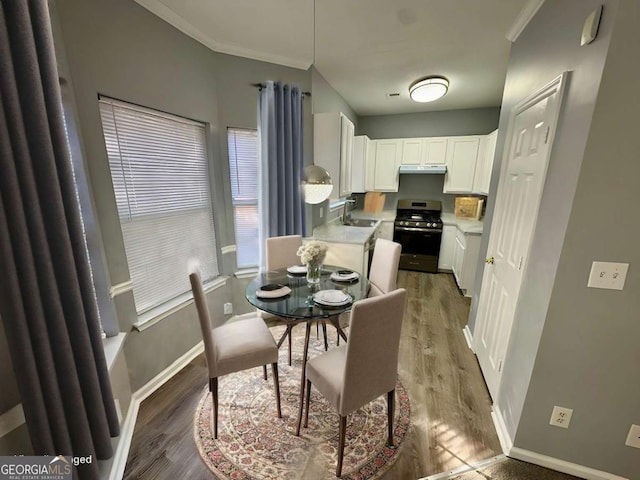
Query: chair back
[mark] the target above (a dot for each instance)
(205, 321)
(371, 365)
(384, 267)
(282, 251)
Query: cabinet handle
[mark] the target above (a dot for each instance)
(490, 260)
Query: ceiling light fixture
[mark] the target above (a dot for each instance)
(428, 89)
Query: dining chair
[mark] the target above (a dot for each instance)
(383, 273)
(366, 367)
(282, 252)
(234, 347)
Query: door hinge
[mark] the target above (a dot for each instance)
(546, 136)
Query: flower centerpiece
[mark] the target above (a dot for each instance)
(312, 255)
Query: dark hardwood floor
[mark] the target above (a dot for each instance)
(450, 405)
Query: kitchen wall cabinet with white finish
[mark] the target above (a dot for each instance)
(424, 151)
(462, 155)
(411, 151)
(447, 244)
(386, 163)
(333, 149)
(361, 171)
(465, 259)
(484, 165)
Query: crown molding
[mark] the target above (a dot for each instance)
(523, 19)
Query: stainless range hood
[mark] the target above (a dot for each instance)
(423, 169)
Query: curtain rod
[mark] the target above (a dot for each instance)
(262, 85)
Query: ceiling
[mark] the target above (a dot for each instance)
(365, 49)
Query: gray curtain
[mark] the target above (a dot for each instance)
(281, 206)
(46, 298)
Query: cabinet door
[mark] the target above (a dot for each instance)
(458, 260)
(462, 155)
(370, 165)
(484, 167)
(359, 164)
(388, 154)
(434, 151)
(346, 153)
(411, 151)
(447, 245)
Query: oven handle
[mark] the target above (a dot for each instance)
(414, 229)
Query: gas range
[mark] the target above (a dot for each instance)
(420, 214)
(418, 228)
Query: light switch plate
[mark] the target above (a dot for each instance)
(608, 275)
(633, 440)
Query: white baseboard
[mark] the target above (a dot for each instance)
(468, 336)
(506, 442)
(466, 468)
(128, 427)
(562, 465)
(11, 419)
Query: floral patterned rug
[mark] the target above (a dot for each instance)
(253, 443)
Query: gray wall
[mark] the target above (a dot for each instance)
(588, 356)
(120, 49)
(572, 346)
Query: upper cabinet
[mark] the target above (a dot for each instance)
(484, 165)
(411, 151)
(424, 151)
(361, 175)
(333, 149)
(462, 154)
(386, 162)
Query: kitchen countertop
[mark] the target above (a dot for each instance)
(385, 215)
(466, 225)
(336, 232)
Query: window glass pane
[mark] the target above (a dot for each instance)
(160, 177)
(243, 168)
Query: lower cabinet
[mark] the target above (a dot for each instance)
(353, 256)
(447, 244)
(465, 260)
(385, 230)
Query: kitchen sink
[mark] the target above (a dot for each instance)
(360, 222)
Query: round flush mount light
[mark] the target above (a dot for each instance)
(428, 89)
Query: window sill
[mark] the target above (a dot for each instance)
(335, 205)
(112, 347)
(246, 273)
(150, 318)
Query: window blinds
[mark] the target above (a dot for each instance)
(160, 179)
(243, 168)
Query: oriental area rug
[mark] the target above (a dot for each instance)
(253, 443)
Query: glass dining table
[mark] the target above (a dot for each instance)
(299, 305)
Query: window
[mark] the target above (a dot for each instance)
(243, 167)
(160, 178)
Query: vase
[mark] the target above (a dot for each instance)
(313, 273)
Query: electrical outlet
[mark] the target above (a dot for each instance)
(228, 308)
(561, 417)
(633, 440)
(608, 275)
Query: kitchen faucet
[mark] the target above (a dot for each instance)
(345, 215)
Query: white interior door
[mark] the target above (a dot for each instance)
(527, 150)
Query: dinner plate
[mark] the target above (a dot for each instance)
(345, 276)
(273, 290)
(297, 269)
(332, 298)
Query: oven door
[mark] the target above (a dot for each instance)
(417, 241)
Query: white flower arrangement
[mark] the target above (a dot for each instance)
(312, 253)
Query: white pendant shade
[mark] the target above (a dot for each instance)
(429, 89)
(316, 184)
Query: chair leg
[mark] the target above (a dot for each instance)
(343, 434)
(324, 332)
(390, 407)
(276, 384)
(306, 415)
(289, 328)
(338, 334)
(213, 388)
(264, 371)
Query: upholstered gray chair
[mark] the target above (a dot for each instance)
(281, 252)
(234, 347)
(366, 367)
(384, 267)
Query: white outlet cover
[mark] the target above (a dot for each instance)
(633, 440)
(608, 275)
(561, 417)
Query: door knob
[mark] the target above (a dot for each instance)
(490, 260)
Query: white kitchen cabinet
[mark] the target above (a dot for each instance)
(360, 165)
(386, 164)
(465, 260)
(447, 244)
(484, 165)
(333, 149)
(412, 151)
(353, 256)
(462, 154)
(434, 150)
